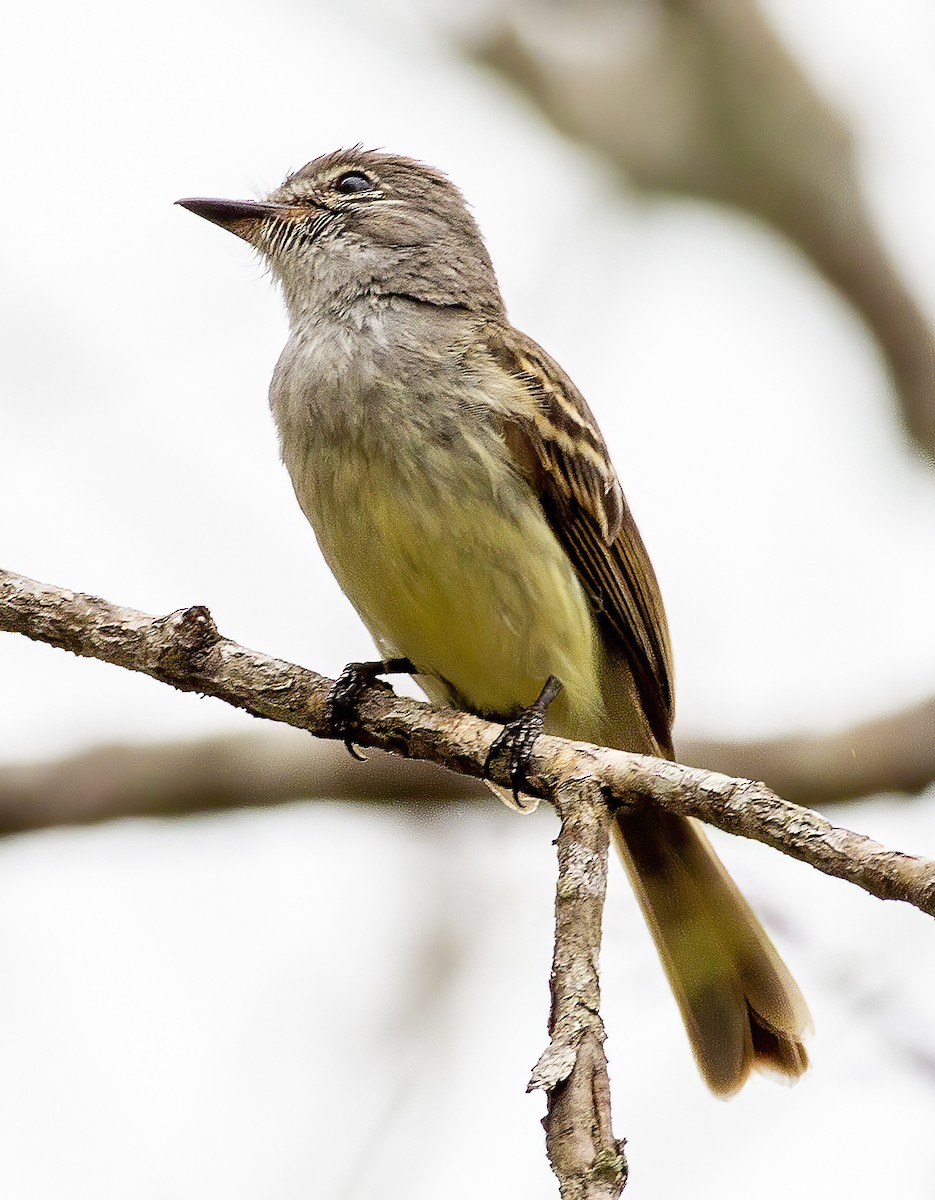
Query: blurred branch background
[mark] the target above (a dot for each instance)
(702, 98)
(667, 187)
(277, 766)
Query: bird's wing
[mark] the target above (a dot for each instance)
(558, 448)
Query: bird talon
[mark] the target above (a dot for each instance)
(344, 697)
(518, 737)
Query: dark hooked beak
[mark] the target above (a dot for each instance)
(241, 217)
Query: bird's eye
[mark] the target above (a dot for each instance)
(352, 182)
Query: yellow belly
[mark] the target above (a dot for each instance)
(464, 578)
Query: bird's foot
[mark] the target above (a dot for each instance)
(344, 697)
(518, 736)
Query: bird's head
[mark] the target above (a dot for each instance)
(357, 223)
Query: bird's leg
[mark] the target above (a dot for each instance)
(345, 695)
(518, 736)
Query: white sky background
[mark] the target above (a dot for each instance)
(322, 1001)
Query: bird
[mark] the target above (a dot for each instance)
(463, 496)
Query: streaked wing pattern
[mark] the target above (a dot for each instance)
(559, 448)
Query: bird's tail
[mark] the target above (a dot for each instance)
(740, 1005)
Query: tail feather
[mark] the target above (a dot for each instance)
(741, 1007)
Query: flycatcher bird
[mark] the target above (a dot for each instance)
(462, 494)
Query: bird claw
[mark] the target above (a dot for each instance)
(518, 737)
(344, 697)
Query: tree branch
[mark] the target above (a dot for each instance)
(583, 782)
(586, 1157)
(185, 650)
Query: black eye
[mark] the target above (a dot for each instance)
(352, 182)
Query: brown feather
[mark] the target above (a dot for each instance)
(585, 506)
(740, 1005)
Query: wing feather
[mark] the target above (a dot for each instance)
(558, 447)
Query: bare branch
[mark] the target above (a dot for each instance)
(586, 1157)
(701, 97)
(185, 650)
(584, 783)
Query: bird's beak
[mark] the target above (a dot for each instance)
(242, 217)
